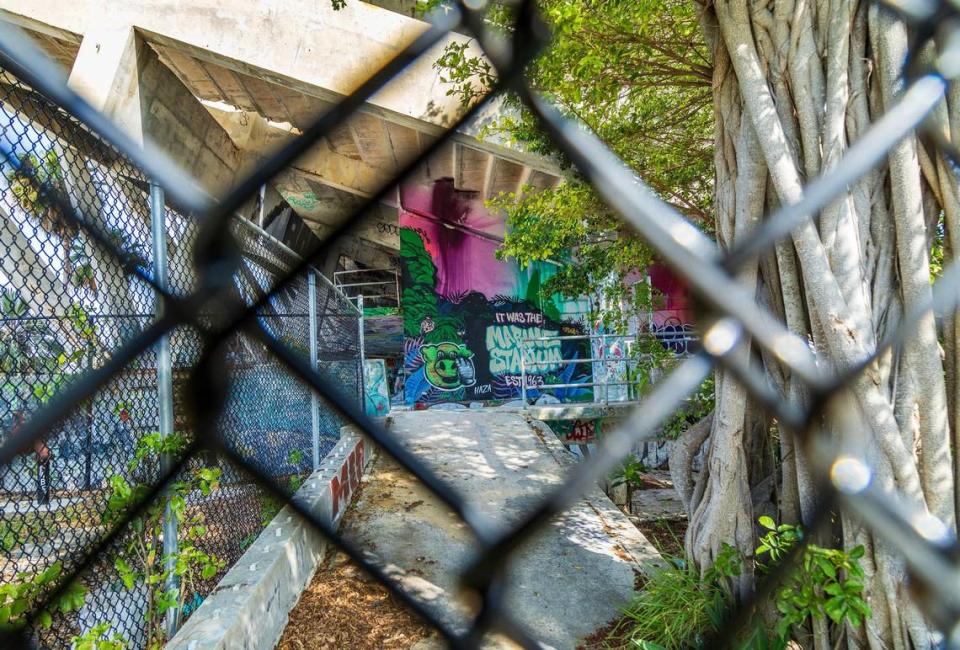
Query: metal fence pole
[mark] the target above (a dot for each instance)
(361, 388)
(158, 224)
(314, 401)
(523, 374)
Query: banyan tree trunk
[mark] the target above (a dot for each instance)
(795, 83)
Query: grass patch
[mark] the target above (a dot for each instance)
(674, 610)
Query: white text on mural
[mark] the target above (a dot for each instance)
(504, 343)
(519, 317)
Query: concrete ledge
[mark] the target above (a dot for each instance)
(571, 411)
(249, 607)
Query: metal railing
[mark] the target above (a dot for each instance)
(928, 547)
(375, 292)
(605, 361)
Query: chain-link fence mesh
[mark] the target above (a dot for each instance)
(65, 441)
(67, 304)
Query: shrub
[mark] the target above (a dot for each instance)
(678, 609)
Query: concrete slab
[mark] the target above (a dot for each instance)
(650, 505)
(564, 585)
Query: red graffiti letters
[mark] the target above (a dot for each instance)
(343, 486)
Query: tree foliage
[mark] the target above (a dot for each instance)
(638, 74)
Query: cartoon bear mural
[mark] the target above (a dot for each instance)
(467, 315)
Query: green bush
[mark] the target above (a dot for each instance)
(679, 609)
(827, 583)
(629, 473)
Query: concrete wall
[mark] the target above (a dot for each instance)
(460, 299)
(250, 606)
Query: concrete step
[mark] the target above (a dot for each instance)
(650, 505)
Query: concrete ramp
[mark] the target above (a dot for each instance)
(564, 585)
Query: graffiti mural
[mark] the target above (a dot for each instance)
(472, 321)
(672, 322)
(375, 391)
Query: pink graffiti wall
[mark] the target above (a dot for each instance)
(464, 255)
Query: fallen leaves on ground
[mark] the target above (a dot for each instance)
(345, 608)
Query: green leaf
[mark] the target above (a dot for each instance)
(827, 567)
(767, 522)
(18, 607)
(51, 573)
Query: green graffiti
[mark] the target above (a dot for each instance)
(448, 366)
(307, 201)
(421, 312)
(545, 304)
(420, 276)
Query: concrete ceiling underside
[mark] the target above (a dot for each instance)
(383, 143)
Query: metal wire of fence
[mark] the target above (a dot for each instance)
(227, 327)
(67, 305)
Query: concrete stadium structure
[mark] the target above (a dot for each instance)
(217, 85)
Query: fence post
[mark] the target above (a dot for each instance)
(361, 388)
(314, 333)
(158, 223)
(88, 444)
(523, 373)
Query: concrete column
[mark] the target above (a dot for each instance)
(106, 73)
(331, 261)
(24, 268)
(122, 77)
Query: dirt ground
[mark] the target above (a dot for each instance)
(344, 608)
(666, 535)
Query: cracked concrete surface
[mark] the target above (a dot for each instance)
(562, 586)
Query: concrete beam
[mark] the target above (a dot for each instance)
(325, 54)
(366, 252)
(46, 29)
(257, 139)
(107, 74)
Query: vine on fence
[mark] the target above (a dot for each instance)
(18, 597)
(140, 562)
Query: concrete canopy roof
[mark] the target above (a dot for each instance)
(265, 70)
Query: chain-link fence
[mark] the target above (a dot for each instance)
(67, 305)
(234, 339)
